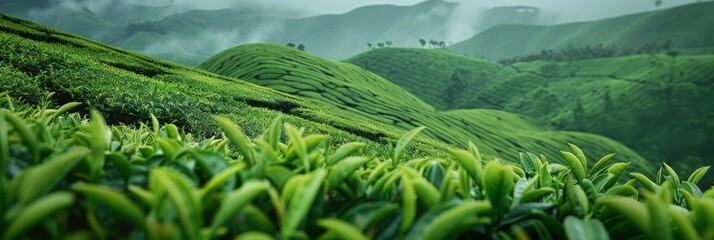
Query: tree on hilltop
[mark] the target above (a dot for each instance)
(422, 42)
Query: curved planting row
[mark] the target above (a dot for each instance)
(363, 93)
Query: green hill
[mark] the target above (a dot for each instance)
(688, 27)
(438, 77)
(126, 87)
(655, 104)
(363, 93)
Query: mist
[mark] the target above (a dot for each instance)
(253, 21)
(567, 10)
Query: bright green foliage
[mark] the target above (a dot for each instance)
(173, 185)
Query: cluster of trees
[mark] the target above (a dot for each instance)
(432, 43)
(658, 3)
(457, 87)
(589, 52)
(299, 46)
(380, 45)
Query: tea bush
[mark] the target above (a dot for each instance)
(65, 176)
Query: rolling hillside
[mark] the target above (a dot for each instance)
(688, 27)
(658, 105)
(354, 89)
(126, 87)
(441, 78)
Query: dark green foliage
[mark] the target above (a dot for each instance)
(583, 53)
(686, 27)
(647, 102)
(457, 87)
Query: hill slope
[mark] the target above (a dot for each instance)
(659, 106)
(363, 93)
(126, 87)
(688, 27)
(438, 77)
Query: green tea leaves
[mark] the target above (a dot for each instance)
(115, 200)
(37, 212)
(590, 229)
(498, 182)
(402, 144)
(575, 165)
(42, 178)
(238, 138)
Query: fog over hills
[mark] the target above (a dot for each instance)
(188, 32)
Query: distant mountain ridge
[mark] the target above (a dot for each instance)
(687, 27)
(189, 37)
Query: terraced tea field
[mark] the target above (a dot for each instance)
(363, 93)
(643, 101)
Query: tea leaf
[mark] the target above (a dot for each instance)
(660, 220)
(409, 208)
(601, 163)
(220, 178)
(645, 181)
(616, 170)
(447, 224)
(683, 226)
(544, 177)
(120, 204)
(427, 193)
(238, 138)
(498, 181)
(590, 229)
(341, 229)
(470, 163)
(630, 209)
(575, 164)
(179, 192)
(302, 200)
(402, 143)
(254, 235)
(36, 212)
(698, 174)
(43, 178)
(579, 153)
(536, 194)
(623, 190)
(28, 137)
(344, 151)
(343, 169)
(235, 200)
(671, 172)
